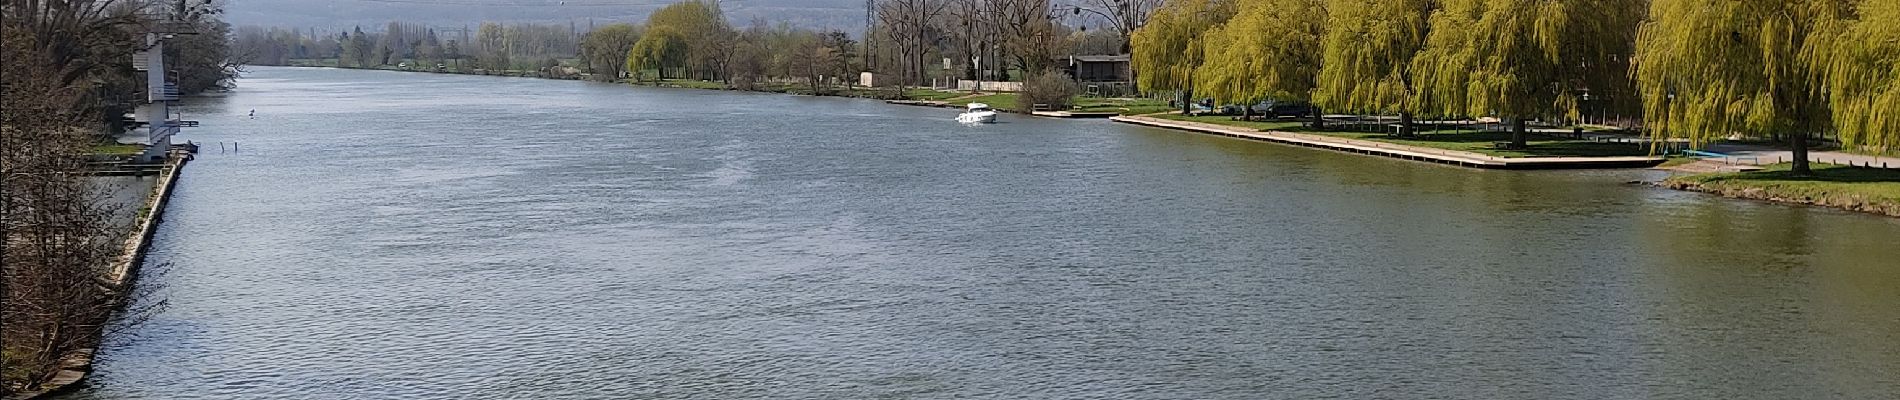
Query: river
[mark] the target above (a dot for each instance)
(400, 235)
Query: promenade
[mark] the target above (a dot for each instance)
(1415, 153)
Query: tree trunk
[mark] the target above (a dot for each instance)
(1800, 142)
(1517, 133)
(1405, 124)
(1187, 102)
(1319, 119)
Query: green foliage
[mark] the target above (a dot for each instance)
(1366, 54)
(661, 48)
(1522, 59)
(1271, 49)
(1708, 69)
(705, 38)
(1862, 68)
(1167, 50)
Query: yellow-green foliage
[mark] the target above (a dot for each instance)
(1863, 76)
(1732, 66)
(1522, 58)
(662, 47)
(1366, 52)
(1168, 48)
(1270, 49)
(699, 25)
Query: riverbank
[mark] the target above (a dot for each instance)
(75, 367)
(1409, 149)
(1861, 189)
(1085, 106)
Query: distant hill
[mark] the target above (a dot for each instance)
(328, 15)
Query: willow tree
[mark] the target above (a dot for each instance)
(1709, 69)
(1862, 76)
(1269, 50)
(1366, 55)
(707, 37)
(1522, 59)
(660, 48)
(1168, 49)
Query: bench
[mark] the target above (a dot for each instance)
(1730, 159)
(1506, 145)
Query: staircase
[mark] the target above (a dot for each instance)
(167, 92)
(142, 60)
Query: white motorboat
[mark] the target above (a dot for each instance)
(978, 113)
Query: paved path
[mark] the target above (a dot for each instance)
(1770, 155)
(1417, 153)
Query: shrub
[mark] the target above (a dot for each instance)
(1051, 88)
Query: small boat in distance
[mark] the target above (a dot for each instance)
(978, 113)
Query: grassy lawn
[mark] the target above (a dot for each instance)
(1007, 101)
(1283, 126)
(930, 94)
(693, 84)
(1676, 160)
(1125, 106)
(1864, 189)
(1476, 142)
(1000, 101)
(117, 149)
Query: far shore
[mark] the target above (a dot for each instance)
(1002, 101)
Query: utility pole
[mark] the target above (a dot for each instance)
(870, 25)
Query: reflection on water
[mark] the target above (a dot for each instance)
(388, 235)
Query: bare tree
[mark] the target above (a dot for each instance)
(59, 57)
(973, 33)
(908, 23)
(1123, 16)
(55, 234)
(1028, 31)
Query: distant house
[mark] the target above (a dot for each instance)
(1096, 68)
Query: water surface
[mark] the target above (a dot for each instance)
(392, 235)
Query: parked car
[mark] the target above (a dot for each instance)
(1271, 109)
(1275, 109)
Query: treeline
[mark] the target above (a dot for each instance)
(68, 79)
(985, 39)
(996, 39)
(492, 46)
(1692, 69)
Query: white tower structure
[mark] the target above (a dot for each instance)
(161, 90)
